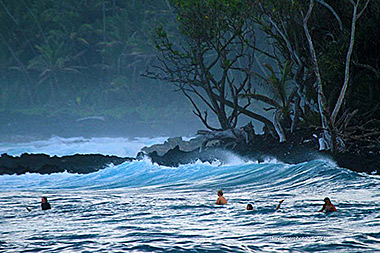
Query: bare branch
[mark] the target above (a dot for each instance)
(347, 67)
(198, 113)
(321, 97)
(366, 66)
(365, 7)
(264, 99)
(7, 11)
(283, 36)
(333, 12)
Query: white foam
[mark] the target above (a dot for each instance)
(59, 146)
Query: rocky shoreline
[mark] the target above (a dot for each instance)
(44, 164)
(206, 146)
(300, 147)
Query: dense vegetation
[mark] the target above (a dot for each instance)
(310, 63)
(84, 58)
(319, 66)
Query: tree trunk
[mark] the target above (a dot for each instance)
(296, 113)
(22, 68)
(342, 94)
(104, 20)
(253, 115)
(223, 122)
(36, 20)
(278, 127)
(323, 110)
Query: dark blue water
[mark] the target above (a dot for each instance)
(140, 207)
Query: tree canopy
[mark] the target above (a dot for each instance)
(310, 63)
(83, 57)
(313, 61)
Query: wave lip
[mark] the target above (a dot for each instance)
(144, 173)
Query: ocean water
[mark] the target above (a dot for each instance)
(142, 207)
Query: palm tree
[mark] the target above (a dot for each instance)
(282, 94)
(51, 63)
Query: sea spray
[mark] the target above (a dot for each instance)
(139, 206)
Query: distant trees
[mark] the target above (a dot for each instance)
(312, 63)
(59, 54)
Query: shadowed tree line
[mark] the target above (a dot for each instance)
(312, 63)
(83, 57)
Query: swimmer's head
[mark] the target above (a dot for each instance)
(220, 193)
(43, 199)
(327, 201)
(249, 207)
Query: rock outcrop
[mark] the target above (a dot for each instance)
(206, 146)
(186, 146)
(300, 147)
(44, 164)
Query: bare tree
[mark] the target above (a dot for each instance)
(207, 66)
(280, 101)
(322, 106)
(328, 121)
(355, 16)
(292, 31)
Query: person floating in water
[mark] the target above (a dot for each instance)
(328, 206)
(45, 205)
(279, 204)
(250, 207)
(221, 200)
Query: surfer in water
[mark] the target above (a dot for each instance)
(249, 207)
(45, 205)
(279, 204)
(328, 206)
(221, 200)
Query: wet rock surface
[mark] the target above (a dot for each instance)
(44, 164)
(300, 147)
(207, 147)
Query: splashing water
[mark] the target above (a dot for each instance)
(143, 207)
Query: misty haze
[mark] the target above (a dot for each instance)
(189, 126)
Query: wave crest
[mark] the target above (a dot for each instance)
(143, 173)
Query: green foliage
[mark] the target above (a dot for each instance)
(84, 56)
(279, 88)
(78, 61)
(330, 28)
(212, 59)
(204, 20)
(279, 83)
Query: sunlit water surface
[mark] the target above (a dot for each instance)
(142, 207)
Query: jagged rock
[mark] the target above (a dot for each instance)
(204, 139)
(171, 143)
(213, 143)
(209, 146)
(44, 164)
(174, 157)
(300, 147)
(364, 162)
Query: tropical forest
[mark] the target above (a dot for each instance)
(283, 65)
